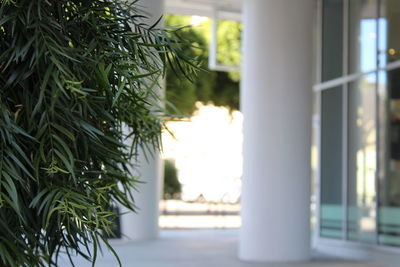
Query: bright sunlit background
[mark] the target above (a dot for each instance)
(203, 150)
(207, 149)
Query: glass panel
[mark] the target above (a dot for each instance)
(362, 157)
(389, 182)
(331, 213)
(362, 35)
(389, 38)
(332, 39)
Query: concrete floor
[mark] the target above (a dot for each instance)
(196, 248)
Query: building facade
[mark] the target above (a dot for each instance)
(338, 60)
(358, 107)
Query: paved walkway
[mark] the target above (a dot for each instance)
(197, 248)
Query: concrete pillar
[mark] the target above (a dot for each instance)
(276, 102)
(143, 225)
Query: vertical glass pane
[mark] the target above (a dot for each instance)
(332, 39)
(331, 213)
(362, 35)
(389, 182)
(361, 213)
(389, 37)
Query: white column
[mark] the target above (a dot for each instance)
(143, 225)
(276, 102)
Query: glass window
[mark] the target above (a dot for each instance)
(389, 182)
(389, 37)
(332, 39)
(369, 211)
(362, 158)
(362, 35)
(331, 213)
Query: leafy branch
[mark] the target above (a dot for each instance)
(72, 74)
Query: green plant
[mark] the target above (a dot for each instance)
(172, 186)
(219, 88)
(72, 72)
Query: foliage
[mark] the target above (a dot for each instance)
(172, 186)
(71, 73)
(229, 46)
(220, 88)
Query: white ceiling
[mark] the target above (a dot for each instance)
(224, 9)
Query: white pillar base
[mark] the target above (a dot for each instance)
(143, 225)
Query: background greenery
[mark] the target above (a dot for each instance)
(172, 186)
(72, 73)
(219, 88)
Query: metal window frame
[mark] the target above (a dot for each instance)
(318, 95)
(343, 81)
(345, 120)
(377, 125)
(213, 48)
(353, 77)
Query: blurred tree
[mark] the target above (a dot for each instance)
(219, 88)
(172, 186)
(229, 42)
